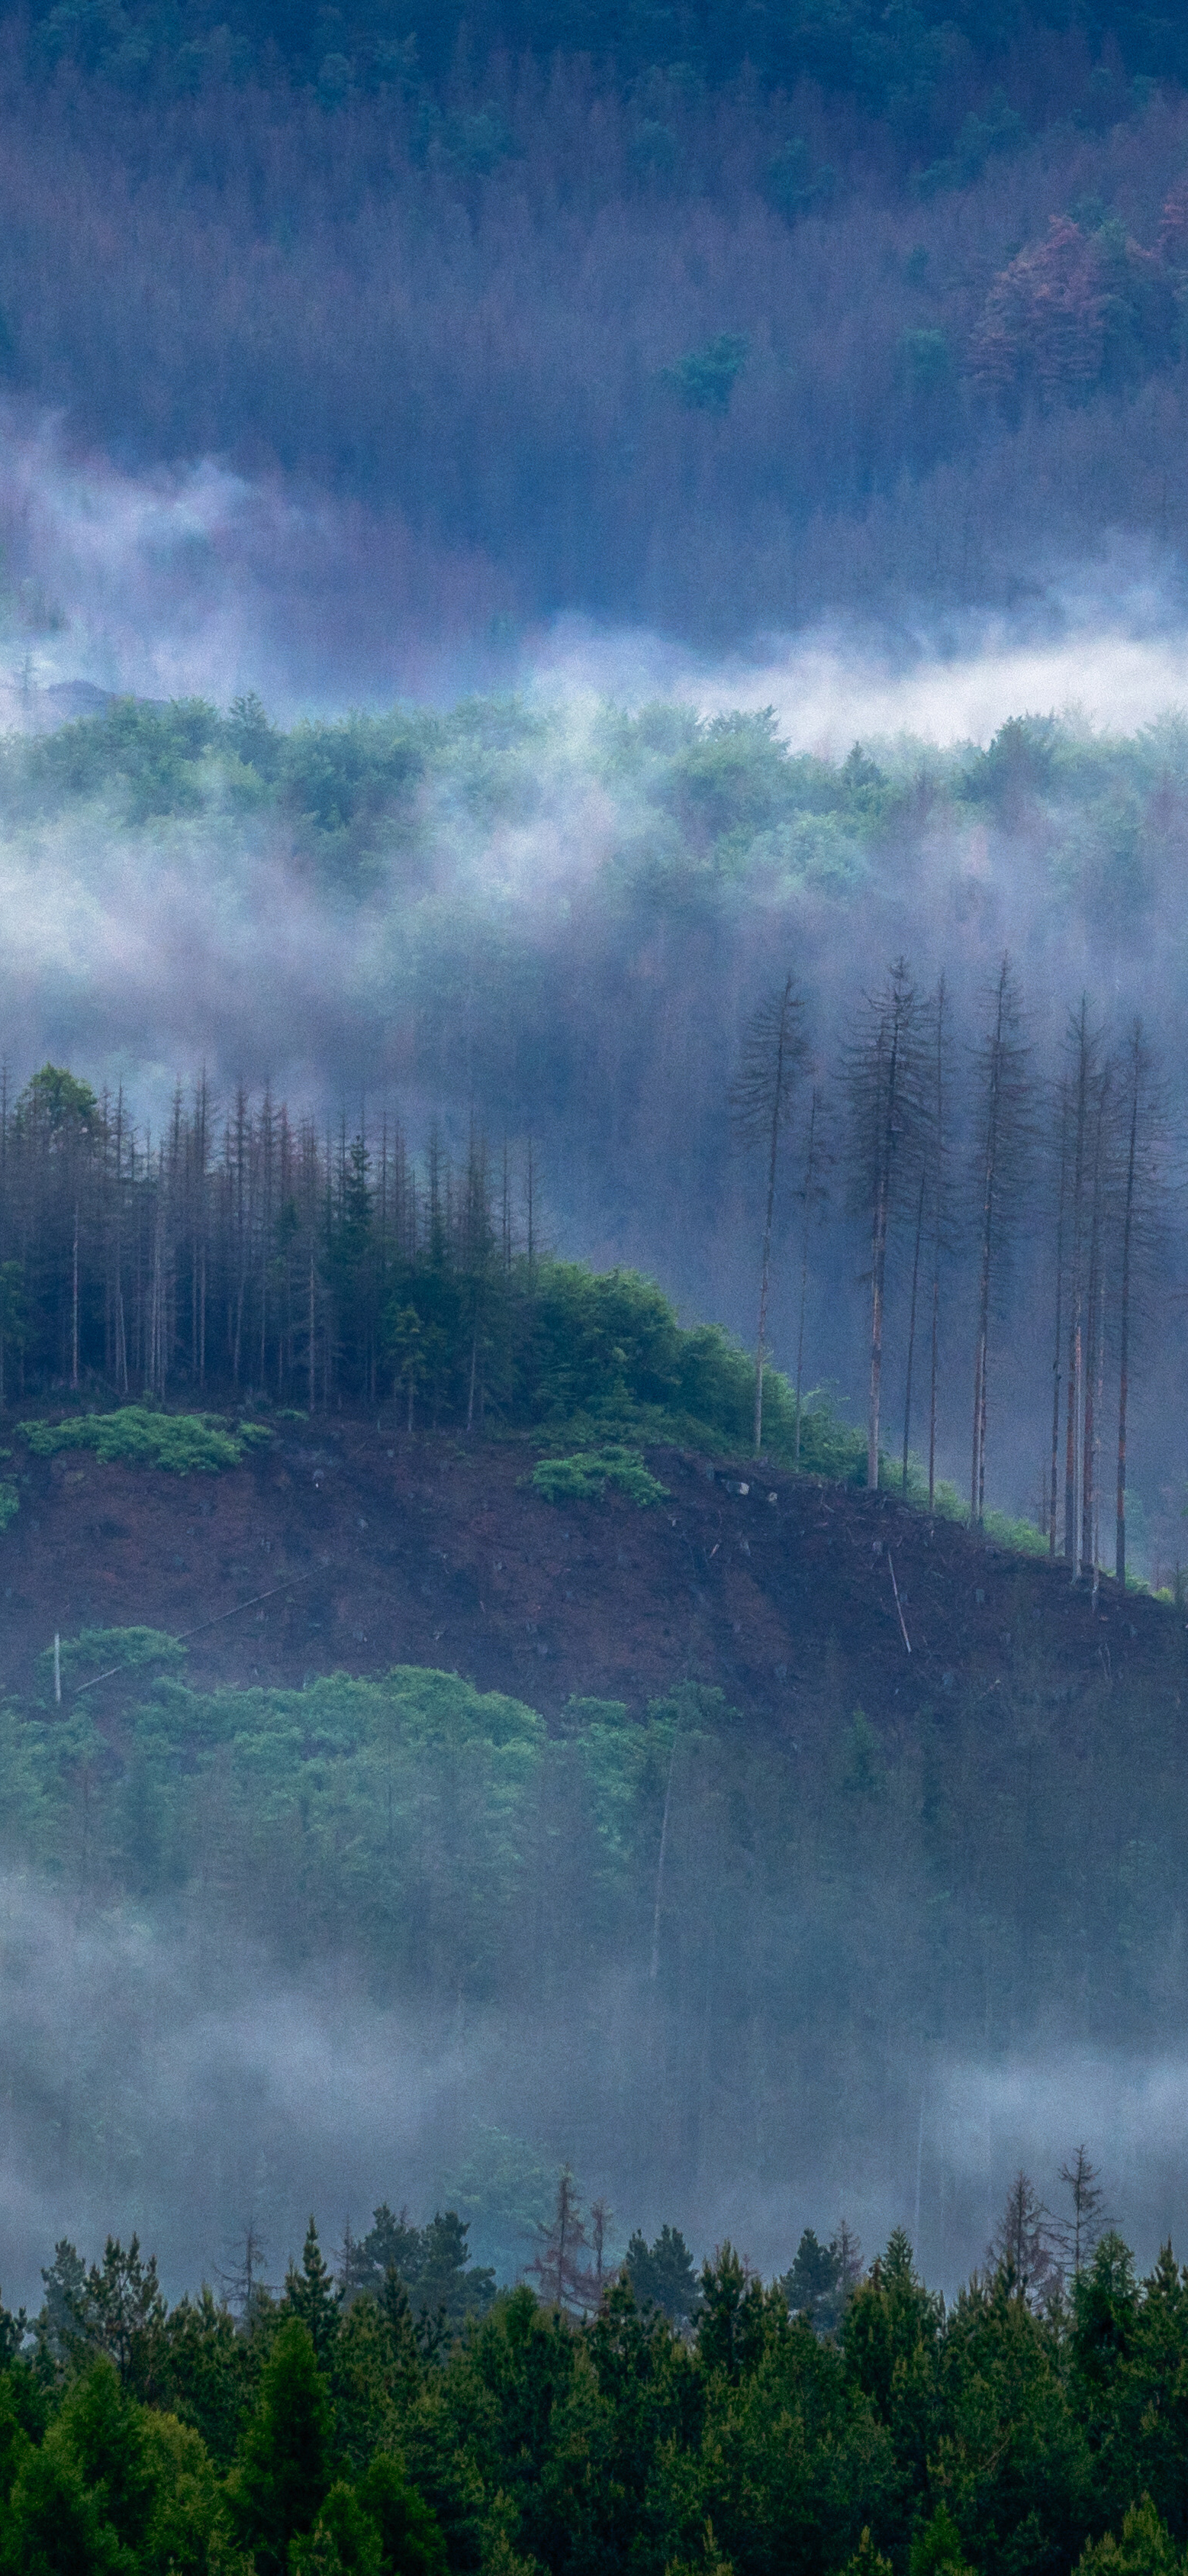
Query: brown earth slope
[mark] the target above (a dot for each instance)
(376, 1549)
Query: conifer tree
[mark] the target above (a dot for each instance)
(310, 2294)
(285, 2463)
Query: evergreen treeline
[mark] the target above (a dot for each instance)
(1035, 2425)
(257, 1255)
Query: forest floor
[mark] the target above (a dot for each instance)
(374, 1549)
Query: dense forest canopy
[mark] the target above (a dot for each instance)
(890, 60)
(710, 319)
(832, 2419)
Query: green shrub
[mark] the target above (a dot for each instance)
(183, 1443)
(10, 1503)
(584, 1478)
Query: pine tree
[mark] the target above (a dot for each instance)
(310, 2294)
(285, 2463)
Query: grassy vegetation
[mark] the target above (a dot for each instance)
(184, 1444)
(585, 1477)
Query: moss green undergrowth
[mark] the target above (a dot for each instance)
(182, 1443)
(585, 1477)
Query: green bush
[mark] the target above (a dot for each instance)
(183, 1443)
(584, 1478)
(10, 1503)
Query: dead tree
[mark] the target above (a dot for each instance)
(1084, 1051)
(935, 1191)
(1094, 1336)
(812, 1195)
(884, 1084)
(561, 2263)
(1023, 2246)
(1004, 1139)
(1142, 1216)
(1064, 1114)
(773, 1049)
(1077, 2235)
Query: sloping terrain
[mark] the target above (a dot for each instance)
(347, 1548)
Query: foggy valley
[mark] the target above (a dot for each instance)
(593, 1367)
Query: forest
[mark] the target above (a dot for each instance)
(646, 2416)
(705, 319)
(935, 1145)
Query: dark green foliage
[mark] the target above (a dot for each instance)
(433, 2263)
(992, 2437)
(662, 2274)
(310, 2296)
(409, 2533)
(184, 1443)
(285, 2465)
(585, 1478)
(118, 2310)
(812, 2284)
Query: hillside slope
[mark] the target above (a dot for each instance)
(374, 1549)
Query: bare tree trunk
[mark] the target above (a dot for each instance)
(809, 1183)
(74, 1307)
(1092, 1327)
(878, 1270)
(1136, 1045)
(911, 1349)
(1057, 1347)
(762, 1092)
(1073, 1392)
(938, 1178)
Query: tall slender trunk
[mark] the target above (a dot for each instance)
(989, 1186)
(1092, 1334)
(777, 1111)
(1124, 1316)
(1073, 1390)
(881, 1213)
(911, 1349)
(1057, 1345)
(809, 1180)
(878, 1267)
(938, 1183)
(74, 1307)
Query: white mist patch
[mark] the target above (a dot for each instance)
(982, 2122)
(1117, 665)
(179, 2083)
(196, 580)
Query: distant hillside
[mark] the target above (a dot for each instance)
(796, 309)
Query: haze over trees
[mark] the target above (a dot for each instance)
(709, 319)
